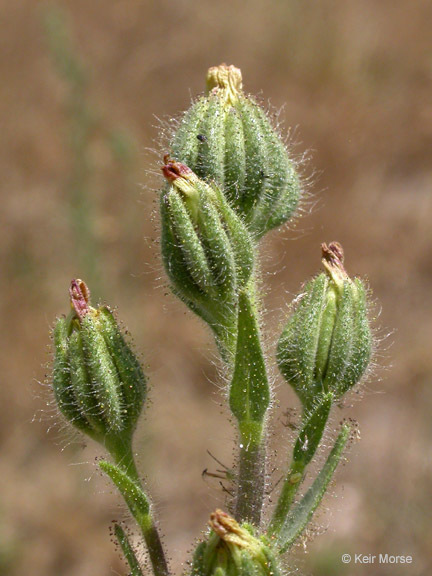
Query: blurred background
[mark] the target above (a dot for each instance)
(86, 93)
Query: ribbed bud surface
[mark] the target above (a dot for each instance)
(206, 248)
(327, 343)
(98, 382)
(227, 138)
(233, 550)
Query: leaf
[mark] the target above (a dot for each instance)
(133, 494)
(312, 431)
(304, 450)
(128, 551)
(250, 391)
(303, 511)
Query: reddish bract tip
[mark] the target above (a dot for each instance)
(333, 258)
(223, 524)
(79, 297)
(173, 170)
(333, 254)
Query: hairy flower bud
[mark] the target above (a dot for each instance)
(227, 138)
(98, 382)
(327, 343)
(233, 550)
(206, 248)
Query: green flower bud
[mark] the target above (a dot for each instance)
(98, 383)
(206, 249)
(326, 345)
(233, 550)
(227, 138)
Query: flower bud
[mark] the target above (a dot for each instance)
(233, 550)
(98, 382)
(227, 138)
(327, 343)
(206, 248)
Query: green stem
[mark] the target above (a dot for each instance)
(286, 498)
(308, 441)
(301, 514)
(249, 401)
(126, 477)
(122, 453)
(251, 480)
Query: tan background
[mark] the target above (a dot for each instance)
(355, 80)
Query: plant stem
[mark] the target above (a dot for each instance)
(250, 491)
(286, 498)
(302, 512)
(308, 441)
(127, 481)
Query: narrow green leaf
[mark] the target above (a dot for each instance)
(303, 511)
(128, 551)
(304, 450)
(250, 391)
(132, 494)
(312, 431)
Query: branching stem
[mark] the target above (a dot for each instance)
(125, 476)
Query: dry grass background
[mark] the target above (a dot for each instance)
(355, 77)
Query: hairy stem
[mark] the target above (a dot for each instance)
(251, 481)
(301, 514)
(126, 477)
(286, 498)
(309, 438)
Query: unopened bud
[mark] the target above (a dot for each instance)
(206, 248)
(327, 343)
(227, 138)
(233, 550)
(98, 382)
